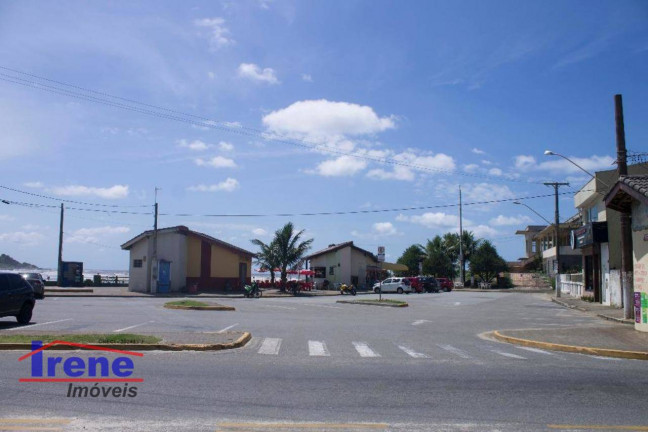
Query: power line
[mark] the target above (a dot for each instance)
(220, 125)
(73, 202)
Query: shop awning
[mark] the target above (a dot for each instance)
(394, 267)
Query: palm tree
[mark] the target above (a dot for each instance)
(267, 258)
(286, 250)
(470, 245)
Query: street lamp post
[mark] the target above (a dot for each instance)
(551, 153)
(542, 217)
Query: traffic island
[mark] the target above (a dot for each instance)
(618, 342)
(196, 305)
(387, 303)
(167, 342)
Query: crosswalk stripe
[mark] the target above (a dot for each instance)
(412, 353)
(270, 346)
(455, 351)
(317, 348)
(535, 350)
(364, 350)
(505, 354)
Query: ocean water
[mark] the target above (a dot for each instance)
(51, 274)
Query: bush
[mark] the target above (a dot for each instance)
(87, 282)
(96, 280)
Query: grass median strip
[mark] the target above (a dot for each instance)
(186, 303)
(197, 305)
(90, 338)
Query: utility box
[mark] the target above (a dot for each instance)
(72, 274)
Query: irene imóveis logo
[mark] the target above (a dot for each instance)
(100, 375)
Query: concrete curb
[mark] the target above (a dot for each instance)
(366, 303)
(241, 341)
(567, 305)
(619, 320)
(504, 290)
(203, 308)
(68, 290)
(603, 352)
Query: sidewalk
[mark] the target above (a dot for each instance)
(597, 309)
(610, 340)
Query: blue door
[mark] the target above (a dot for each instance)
(164, 276)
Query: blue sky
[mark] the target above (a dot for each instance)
(307, 97)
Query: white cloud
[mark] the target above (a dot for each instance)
(93, 235)
(219, 34)
(323, 118)
(341, 166)
(259, 232)
(34, 185)
(228, 185)
(487, 192)
(216, 162)
(502, 220)
(114, 192)
(255, 73)
(495, 172)
(432, 220)
(482, 231)
(307, 78)
(384, 228)
(471, 168)
(31, 238)
(195, 145)
(6, 218)
(478, 151)
(413, 162)
(211, 75)
(225, 146)
(524, 162)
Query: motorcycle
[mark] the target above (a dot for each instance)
(252, 291)
(346, 289)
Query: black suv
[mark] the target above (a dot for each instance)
(16, 297)
(429, 284)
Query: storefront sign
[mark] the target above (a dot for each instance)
(595, 232)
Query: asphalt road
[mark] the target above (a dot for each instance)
(314, 364)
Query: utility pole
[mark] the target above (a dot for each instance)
(461, 255)
(59, 273)
(557, 234)
(154, 263)
(626, 234)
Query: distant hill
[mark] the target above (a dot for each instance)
(8, 263)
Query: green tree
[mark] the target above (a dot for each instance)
(289, 248)
(268, 257)
(438, 261)
(411, 258)
(486, 262)
(469, 245)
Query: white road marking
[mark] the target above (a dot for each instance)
(505, 354)
(605, 358)
(39, 324)
(280, 307)
(455, 351)
(412, 353)
(457, 303)
(132, 327)
(270, 346)
(317, 348)
(419, 322)
(535, 350)
(227, 328)
(364, 350)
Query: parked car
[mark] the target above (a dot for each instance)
(37, 282)
(429, 284)
(446, 284)
(416, 284)
(396, 284)
(16, 297)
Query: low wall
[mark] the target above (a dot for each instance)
(535, 280)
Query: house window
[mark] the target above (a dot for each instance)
(137, 263)
(331, 271)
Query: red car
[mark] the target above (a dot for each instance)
(446, 284)
(416, 284)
